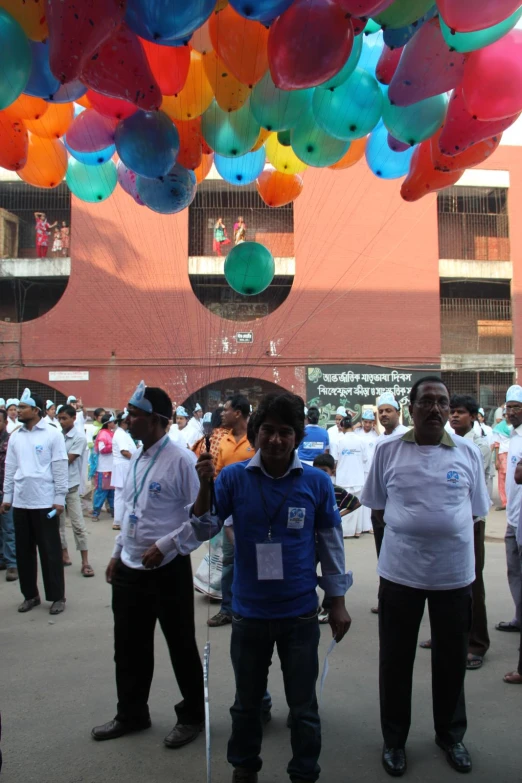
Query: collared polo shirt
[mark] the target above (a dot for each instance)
(513, 490)
(232, 451)
(75, 443)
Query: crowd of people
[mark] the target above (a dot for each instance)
(60, 236)
(281, 492)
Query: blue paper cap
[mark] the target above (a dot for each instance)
(341, 411)
(207, 418)
(388, 399)
(198, 408)
(26, 398)
(12, 401)
(2, 402)
(514, 394)
(59, 408)
(368, 416)
(48, 404)
(71, 398)
(180, 411)
(481, 411)
(139, 400)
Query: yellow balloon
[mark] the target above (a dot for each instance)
(195, 97)
(46, 163)
(263, 136)
(30, 16)
(230, 93)
(283, 158)
(54, 123)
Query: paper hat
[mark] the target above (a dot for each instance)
(514, 394)
(71, 398)
(207, 418)
(48, 404)
(306, 411)
(12, 401)
(139, 400)
(198, 408)
(180, 411)
(388, 399)
(481, 411)
(368, 416)
(341, 411)
(59, 408)
(26, 399)
(2, 402)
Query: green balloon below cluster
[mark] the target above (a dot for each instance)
(15, 59)
(469, 42)
(349, 66)
(402, 13)
(415, 123)
(230, 133)
(276, 109)
(371, 27)
(314, 146)
(351, 110)
(249, 268)
(91, 183)
(284, 138)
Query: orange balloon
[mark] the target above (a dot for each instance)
(190, 151)
(423, 178)
(84, 101)
(241, 44)
(169, 65)
(54, 123)
(473, 156)
(204, 167)
(230, 93)
(13, 142)
(220, 5)
(30, 16)
(355, 153)
(27, 108)
(263, 136)
(277, 189)
(195, 97)
(46, 162)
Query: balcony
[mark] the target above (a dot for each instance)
(35, 267)
(476, 334)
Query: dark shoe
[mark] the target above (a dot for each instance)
(375, 609)
(394, 761)
(57, 607)
(29, 604)
(221, 618)
(182, 734)
(115, 728)
(242, 775)
(266, 717)
(509, 627)
(457, 755)
(11, 575)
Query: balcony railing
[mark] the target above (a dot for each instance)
(478, 326)
(473, 224)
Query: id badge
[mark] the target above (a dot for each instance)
(269, 560)
(133, 521)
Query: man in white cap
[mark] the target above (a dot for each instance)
(50, 411)
(12, 414)
(388, 410)
(334, 432)
(77, 404)
(195, 426)
(178, 430)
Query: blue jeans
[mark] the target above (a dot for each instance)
(251, 649)
(7, 539)
(99, 498)
(227, 575)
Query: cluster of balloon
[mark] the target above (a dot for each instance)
(249, 268)
(151, 94)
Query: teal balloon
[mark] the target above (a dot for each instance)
(15, 59)
(249, 268)
(372, 47)
(284, 138)
(91, 158)
(349, 66)
(469, 42)
(315, 147)
(372, 27)
(277, 109)
(383, 161)
(91, 183)
(242, 170)
(230, 133)
(415, 123)
(351, 110)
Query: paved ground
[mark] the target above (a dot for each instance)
(56, 682)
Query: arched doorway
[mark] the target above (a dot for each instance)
(14, 387)
(214, 394)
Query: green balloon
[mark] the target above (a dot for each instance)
(249, 268)
(230, 133)
(349, 66)
(15, 59)
(284, 138)
(315, 147)
(91, 183)
(371, 27)
(468, 42)
(402, 13)
(277, 109)
(415, 123)
(351, 110)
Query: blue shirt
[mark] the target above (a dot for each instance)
(315, 442)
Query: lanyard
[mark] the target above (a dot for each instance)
(137, 492)
(272, 517)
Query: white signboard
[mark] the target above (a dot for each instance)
(245, 337)
(69, 376)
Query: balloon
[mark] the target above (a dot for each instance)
(119, 68)
(91, 158)
(354, 154)
(84, 102)
(46, 162)
(242, 170)
(161, 20)
(371, 27)
(91, 132)
(168, 194)
(492, 83)
(195, 97)
(249, 268)
(204, 167)
(461, 129)
(468, 42)
(396, 145)
(402, 35)
(413, 124)
(27, 108)
(30, 17)
(229, 133)
(383, 161)
(190, 147)
(403, 12)
(351, 110)
(277, 109)
(315, 147)
(147, 143)
(473, 156)
(127, 180)
(68, 92)
(308, 44)
(284, 138)
(260, 10)
(358, 25)
(349, 66)
(77, 30)
(113, 108)
(283, 158)
(364, 7)
(423, 178)
(169, 66)
(230, 93)
(200, 41)
(241, 44)
(91, 183)
(263, 136)
(41, 82)
(466, 16)
(54, 123)
(387, 65)
(277, 189)
(14, 143)
(371, 53)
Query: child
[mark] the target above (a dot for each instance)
(57, 242)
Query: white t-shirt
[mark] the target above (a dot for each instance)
(121, 441)
(334, 433)
(400, 429)
(12, 425)
(351, 454)
(370, 439)
(179, 436)
(430, 495)
(513, 491)
(193, 431)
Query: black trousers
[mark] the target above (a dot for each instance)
(139, 599)
(400, 614)
(34, 531)
(479, 636)
(378, 533)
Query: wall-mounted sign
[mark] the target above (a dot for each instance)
(244, 337)
(69, 375)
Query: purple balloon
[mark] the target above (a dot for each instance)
(90, 132)
(396, 145)
(127, 180)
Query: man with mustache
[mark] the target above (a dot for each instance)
(429, 486)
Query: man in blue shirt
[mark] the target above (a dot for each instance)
(280, 507)
(315, 439)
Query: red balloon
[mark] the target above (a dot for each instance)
(308, 44)
(423, 178)
(114, 108)
(461, 129)
(364, 7)
(473, 156)
(190, 149)
(427, 67)
(466, 16)
(492, 83)
(387, 65)
(14, 142)
(169, 65)
(76, 29)
(119, 68)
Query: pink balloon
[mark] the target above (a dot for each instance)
(396, 145)
(308, 44)
(427, 67)
(461, 129)
(90, 132)
(364, 7)
(127, 180)
(387, 64)
(466, 16)
(492, 83)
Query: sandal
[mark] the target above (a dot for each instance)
(513, 678)
(116, 527)
(474, 662)
(509, 627)
(67, 563)
(426, 645)
(87, 570)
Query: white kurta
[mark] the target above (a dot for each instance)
(351, 454)
(370, 439)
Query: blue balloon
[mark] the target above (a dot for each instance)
(148, 143)
(68, 92)
(242, 170)
(382, 161)
(91, 158)
(372, 47)
(401, 35)
(42, 83)
(160, 21)
(260, 10)
(168, 194)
